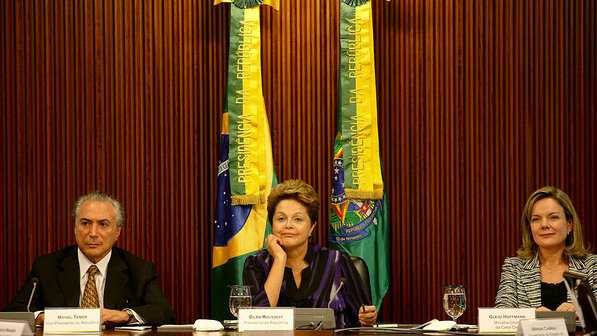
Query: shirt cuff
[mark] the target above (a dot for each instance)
(137, 317)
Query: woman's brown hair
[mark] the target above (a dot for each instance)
(297, 190)
(574, 241)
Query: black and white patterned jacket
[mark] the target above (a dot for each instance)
(520, 282)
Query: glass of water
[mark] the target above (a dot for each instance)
(454, 301)
(240, 297)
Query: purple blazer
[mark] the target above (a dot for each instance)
(330, 280)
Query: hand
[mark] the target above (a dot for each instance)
(39, 320)
(566, 307)
(542, 309)
(274, 248)
(367, 315)
(110, 316)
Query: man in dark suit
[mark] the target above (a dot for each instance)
(95, 274)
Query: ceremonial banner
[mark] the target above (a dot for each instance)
(245, 168)
(250, 3)
(358, 102)
(358, 215)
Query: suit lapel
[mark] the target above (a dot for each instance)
(532, 278)
(577, 265)
(532, 281)
(68, 279)
(116, 282)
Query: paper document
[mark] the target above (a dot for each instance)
(180, 327)
(133, 327)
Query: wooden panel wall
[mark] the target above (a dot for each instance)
(480, 103)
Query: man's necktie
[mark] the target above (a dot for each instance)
(90, 297)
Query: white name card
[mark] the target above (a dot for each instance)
(543, 327)
(496, 320)
(260, 319)
(71, 320)
(8, 328)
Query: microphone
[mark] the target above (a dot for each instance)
(333, 296)
(35, 281)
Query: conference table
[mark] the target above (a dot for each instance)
(39, 332)
(269, 333)
(154, 332)
(368, 331)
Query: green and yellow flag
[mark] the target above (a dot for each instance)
(358, 214)
(245, 167)
(250, 3)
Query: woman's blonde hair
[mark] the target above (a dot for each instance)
(574, 242)
(297, 190)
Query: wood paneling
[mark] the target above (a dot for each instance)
(480, 103)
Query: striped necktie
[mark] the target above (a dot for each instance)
(90, 297)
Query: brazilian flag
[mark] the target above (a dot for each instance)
(358, 213)
(245, 165)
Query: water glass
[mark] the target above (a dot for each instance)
(240, 297)
(454, 301)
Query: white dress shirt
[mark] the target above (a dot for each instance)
(100, 277)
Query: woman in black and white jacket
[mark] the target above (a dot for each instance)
(552, 243)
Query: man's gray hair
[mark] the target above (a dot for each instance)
(102, 197)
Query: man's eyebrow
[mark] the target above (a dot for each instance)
(99, 220)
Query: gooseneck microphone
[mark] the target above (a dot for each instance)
(333, 296)
(34, 280)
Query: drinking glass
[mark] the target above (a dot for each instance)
(454, 301)
(240, 297)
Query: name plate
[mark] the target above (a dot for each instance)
(14, 328)
(71, 320)
(497, 320)
(260, 319)
(543, 327)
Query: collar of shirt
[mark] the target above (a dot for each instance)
(100, 278)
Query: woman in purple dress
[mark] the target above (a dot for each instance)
(294, 273)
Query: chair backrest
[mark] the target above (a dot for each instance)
(363, 271)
